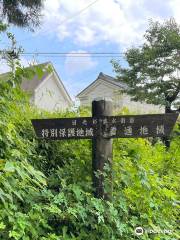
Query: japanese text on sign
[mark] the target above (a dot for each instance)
(154, 125)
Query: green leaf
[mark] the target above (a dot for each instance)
(9, 167)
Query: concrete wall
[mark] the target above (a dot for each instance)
(48, 96)
(101, 89)
(108, 90)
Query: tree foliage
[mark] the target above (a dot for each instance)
(153, 72)
(22, 13)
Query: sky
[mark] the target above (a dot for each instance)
(79, 28)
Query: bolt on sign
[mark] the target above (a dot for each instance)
(101, 128)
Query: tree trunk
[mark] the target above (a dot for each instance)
(166, 140)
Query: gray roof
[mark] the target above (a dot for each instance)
(106, 78)
(30, 85)
(112, 80)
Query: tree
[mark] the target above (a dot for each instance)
(11, 56)
(22, 13)
(153, 74)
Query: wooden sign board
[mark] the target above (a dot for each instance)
(129, 126)
(101, 128)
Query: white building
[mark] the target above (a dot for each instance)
(108, 87)
(48, 92)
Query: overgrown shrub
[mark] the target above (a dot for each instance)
(45, 187)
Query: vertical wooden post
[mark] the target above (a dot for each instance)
(101, 152)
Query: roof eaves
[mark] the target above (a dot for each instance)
(106, 78)
(78, 95)
(68, 96)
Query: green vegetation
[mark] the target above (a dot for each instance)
(24, 13)
(153, 68)
(45, 187)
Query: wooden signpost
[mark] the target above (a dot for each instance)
(102, 128)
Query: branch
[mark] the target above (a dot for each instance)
(173, 97)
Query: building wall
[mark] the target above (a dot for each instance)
(49, 96)
(136, 107)
(107, 90)
(100, 89)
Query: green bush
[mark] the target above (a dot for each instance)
(45, 187)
